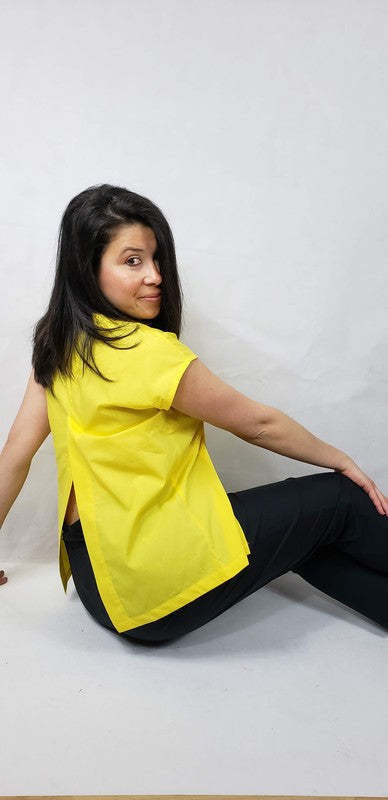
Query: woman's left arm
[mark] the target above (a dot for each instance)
(28, 431)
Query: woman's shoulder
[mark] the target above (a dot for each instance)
(123, 327)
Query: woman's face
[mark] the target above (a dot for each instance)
(129, 272)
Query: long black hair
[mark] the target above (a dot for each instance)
(89, 223)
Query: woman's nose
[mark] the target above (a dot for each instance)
(153, 274)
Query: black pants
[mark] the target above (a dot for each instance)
(323, 527)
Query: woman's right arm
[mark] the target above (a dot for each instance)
(203, 395)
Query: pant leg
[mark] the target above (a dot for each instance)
(354, 568)
(83, 575)
(342, 577)
(286, 523)
(365, 536)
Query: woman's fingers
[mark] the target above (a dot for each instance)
(3, 579)
(383, 500)
(353, 471)
(379, 500)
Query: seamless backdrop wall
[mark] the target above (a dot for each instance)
(260, 128)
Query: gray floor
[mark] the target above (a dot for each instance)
(286, 693)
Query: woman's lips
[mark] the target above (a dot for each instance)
(151, 298)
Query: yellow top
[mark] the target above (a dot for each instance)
(158, 524)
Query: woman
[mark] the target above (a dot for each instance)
(155, 545)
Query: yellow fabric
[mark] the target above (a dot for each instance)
(158, 524)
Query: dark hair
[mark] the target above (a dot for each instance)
(89, 223)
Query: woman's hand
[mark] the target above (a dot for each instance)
(352, 471)
(3, 579)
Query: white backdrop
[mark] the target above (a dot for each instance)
(260, 129)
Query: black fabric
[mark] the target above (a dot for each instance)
(323, 527)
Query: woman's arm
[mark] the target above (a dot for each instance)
(203, 395)
(28, 431)
(12, 478)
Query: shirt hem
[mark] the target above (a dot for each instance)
(125, 622)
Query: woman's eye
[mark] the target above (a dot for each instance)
(136, 258)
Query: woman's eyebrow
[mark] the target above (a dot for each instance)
(135, 250)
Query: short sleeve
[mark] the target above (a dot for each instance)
(144, 369)
(173, 358)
